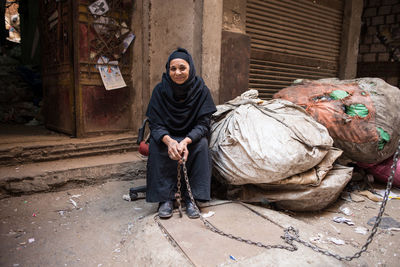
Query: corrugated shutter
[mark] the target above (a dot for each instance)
(292, 39)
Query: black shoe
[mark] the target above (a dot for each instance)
(191, 210)
(165, 209)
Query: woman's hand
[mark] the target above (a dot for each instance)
(183, 150)
(172, 145)
(177, 151)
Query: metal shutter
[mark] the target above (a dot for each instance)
(292, 39)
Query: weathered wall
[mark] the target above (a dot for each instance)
(160, 28)
(211, 44)
(234, 16)
(350, 39)
(172, 25)
(235, 51)
(379, 54)
(140, 85)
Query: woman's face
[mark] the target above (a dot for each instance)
(179, 70)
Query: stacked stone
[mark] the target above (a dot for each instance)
(380, 33)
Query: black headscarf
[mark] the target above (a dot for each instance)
(178, 107)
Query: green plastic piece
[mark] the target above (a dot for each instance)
(357, 110)
(384, 138)
(339, 94)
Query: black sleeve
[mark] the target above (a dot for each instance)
(201, 129)
(157, 131)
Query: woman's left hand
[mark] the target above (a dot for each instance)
(183, 150)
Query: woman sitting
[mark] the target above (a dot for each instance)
(179, 114)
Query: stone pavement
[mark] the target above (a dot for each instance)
(94, 226)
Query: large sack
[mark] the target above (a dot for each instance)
(255, 141)
(383, 170)
(301, 197)
(362, 115)
(313, 176)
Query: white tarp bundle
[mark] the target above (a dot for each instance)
(255, 141)
(298, 197)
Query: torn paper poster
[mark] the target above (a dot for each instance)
(127, 41)
(102, 24)
(99, 7)
(110, 74)
(123, 29)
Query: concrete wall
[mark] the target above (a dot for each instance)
(211, 45)
(234, 16)
(140, 67)
(160, 27)
(350, 39)
(173, 24)
(235, 51)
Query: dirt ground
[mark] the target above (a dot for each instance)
(94, 226)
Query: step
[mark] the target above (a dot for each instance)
(68, 173)
(41, 150)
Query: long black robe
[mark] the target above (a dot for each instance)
(179, 111)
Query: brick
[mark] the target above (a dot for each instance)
(366, 21)
(378, 20)
(382, 28)
(364, 49)
(384, 10)
(368, 39)
(371, 57)
(396, 9)
(390, 19)
(370, 12)
(378, 48)
(371, 30)
(375, 40)
(389, 2)
(393, 81)
(359, 58)
(374, 3)
(383, 57)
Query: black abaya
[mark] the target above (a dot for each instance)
(162, 172)
(179, 111)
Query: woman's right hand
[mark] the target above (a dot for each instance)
(172, 145)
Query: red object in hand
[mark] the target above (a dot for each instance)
(144, 148)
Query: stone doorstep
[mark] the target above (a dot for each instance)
(59, 174)
(19, 153)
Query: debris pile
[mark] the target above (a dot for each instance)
(20, 93)
(273, 151)
(361, 115)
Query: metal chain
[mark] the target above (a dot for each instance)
(178, 194)
(290, 233)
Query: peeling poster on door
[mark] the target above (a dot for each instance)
(99, 7)
(110, 74)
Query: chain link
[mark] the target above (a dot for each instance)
(290, 233)
(178, 194)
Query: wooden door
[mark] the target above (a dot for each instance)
(57, 65)
(100, 110)
(74, 37)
